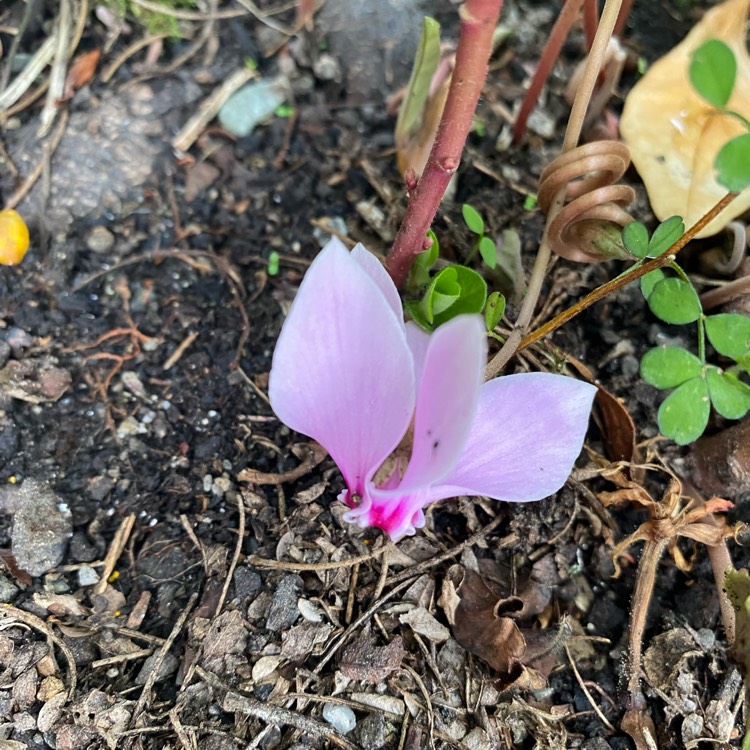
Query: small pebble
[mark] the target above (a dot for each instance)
(87, 576)
(341, 718)
(100, 240)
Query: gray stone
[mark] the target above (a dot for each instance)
(372, 732)
(42, 525)
(100, 240)
(283, 612)
(8, 589)
(341, 718)
(252, 104)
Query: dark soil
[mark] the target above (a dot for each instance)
(145, 318)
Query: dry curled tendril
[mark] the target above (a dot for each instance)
(675, 515)
(588, 228)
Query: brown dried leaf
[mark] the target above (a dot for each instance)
(674, 135)
(364, 661)
(81, 72)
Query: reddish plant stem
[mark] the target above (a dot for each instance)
(622, 17)
(590, 21)
(557, 36)
(478, 21)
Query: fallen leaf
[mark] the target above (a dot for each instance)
(674, 135)
(366, 662)
(81, 72)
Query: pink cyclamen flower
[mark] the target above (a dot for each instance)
(350, 374)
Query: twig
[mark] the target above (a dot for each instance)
(127, 53)
(235, 556)
(262, 562)
(9, 612)
(190, 15)
(114, 552)
(145, 696)
(586, 692)
(316, 454)
(29, 74)
(209, 108)
(59, 69)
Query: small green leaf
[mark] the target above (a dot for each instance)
(414, 311)
(665, 235)
(530, 201)
(473, 219)
(425, 64)
(729, 334)
(713, 69)
(273, 263)
(635, 239)
(650, 280)
(419, 275)
(494, 310)
(729, 396)
(455, 290)
(669, 366)
(683, 415)
(675, 301)
(285, 111)
(733, 163)
(488, 251)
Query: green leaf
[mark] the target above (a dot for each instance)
(650, 280)
(675, 301)
(665, 235)
(730, 396)
(488, 251)
(419, 275)
(530, 201)
(635, 239)
(683, 415)
(425, 64)
(733, 163)
(713, 70)
(729, 334)
(414, 311)
(669, 366)
(494, 310)
(455, 290)
(473, 218)
(273, 263)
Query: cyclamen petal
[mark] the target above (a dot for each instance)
(527, 432)
(447, 393)
(342, 372)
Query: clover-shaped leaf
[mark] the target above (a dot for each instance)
(683, 415)
(729, 395)
(635, 239)
(650, 280)
(665, 235)
(669, 366)
(713, 69)
(733, 163)
(675, 301)
(729, 334)
(453, 291)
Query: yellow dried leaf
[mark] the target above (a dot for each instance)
(14, 237)
(674, 135)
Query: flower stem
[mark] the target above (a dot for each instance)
(478, 21)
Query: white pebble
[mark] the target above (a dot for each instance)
(341, 718)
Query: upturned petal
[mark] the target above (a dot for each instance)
(342, 371)
(447, 393)
(527, 432)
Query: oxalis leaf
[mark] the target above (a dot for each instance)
(669, 366)
(635, 239)
(683, 415)
(733, 163)
(665, 235)
(473, 218)
(455, 290)
(729, 334)
(713, 70)
(729, 395)
(675, 301)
